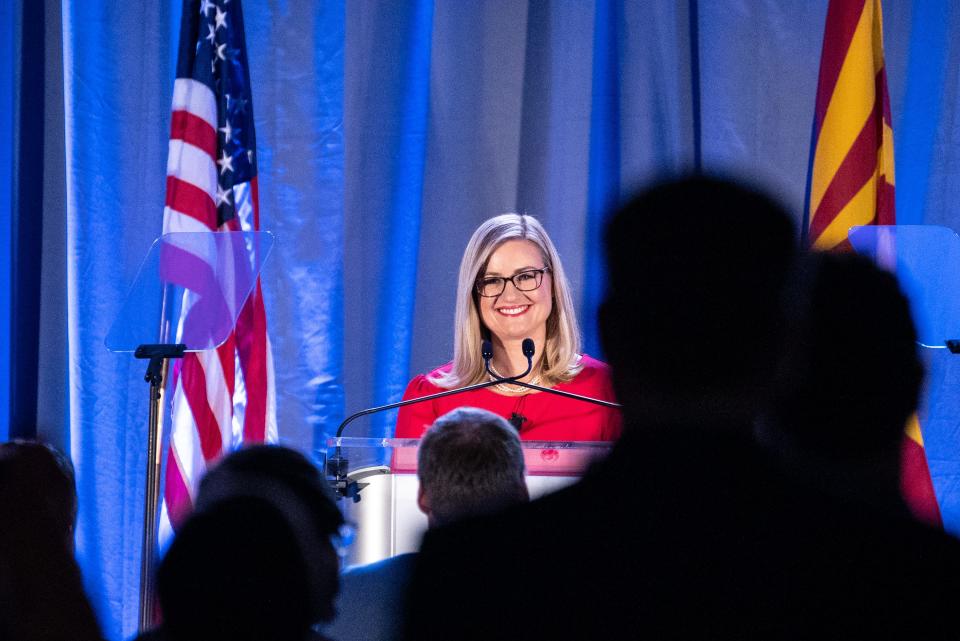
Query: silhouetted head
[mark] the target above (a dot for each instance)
(469, 463)
(39, 481)
(41, 588)
(851, 373)
(691, 323)
(292, 485)
(235, 571)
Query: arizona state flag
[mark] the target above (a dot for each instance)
(851, 179)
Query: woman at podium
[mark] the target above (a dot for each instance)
(511, 287)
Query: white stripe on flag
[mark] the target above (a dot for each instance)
(185, 440)
(164, 530)
(205, 247)
(193, 165)
(271, 434)
(195, 97)
(187, 302)
(218, 396)
(239, 402)
(176, 221)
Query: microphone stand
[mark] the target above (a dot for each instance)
(550, 390)
(338, 465)
(528, 348)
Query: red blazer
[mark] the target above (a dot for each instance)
(548, 417)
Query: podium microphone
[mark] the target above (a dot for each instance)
(337, 466)
(528, 350)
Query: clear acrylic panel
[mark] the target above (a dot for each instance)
(201, 280)
(926, 261)
(542, 458)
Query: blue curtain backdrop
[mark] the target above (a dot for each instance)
(387, 131)
(8, 41)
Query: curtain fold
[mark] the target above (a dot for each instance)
(386, 106)
(296, 54)
(603, 182)
(9, 21)
(116, 98)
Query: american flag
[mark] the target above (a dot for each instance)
(222, 397)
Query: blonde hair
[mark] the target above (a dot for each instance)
(559, 359)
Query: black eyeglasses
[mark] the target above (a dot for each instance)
(525, 281)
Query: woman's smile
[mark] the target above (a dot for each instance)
(515, 310)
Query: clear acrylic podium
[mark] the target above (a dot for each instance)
(187, 297)
(387, 518)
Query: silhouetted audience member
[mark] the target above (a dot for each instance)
(688, 529)
(255, 560)
(469, 463)
(41, 590)
(235, 571)
(848, 382)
